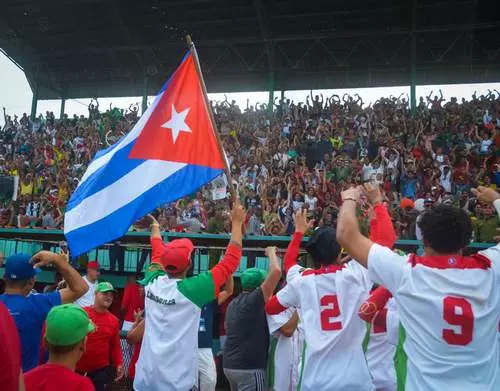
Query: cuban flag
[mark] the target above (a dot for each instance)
(170, 153)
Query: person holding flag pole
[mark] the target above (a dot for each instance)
(173, 303)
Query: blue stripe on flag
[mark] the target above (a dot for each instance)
(183, 182)
(117, 167)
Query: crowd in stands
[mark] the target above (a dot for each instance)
(303, 155)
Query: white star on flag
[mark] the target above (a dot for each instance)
(177, 123)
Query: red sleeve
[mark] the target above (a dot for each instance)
(116, 352)
(226, 267)
(10, 351)
(157, 249)
(292, 252)
(377, 300)
(381, 228)
(274, 307)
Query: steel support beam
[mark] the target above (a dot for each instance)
(63, 105)
(413, 59)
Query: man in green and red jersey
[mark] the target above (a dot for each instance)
(173, 303)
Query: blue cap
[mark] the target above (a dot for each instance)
(18, 267)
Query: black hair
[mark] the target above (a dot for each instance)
(446, 229)
(323, 246)
(60, 349)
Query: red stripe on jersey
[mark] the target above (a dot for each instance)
(453, 261)
(323, 270)
(274, 307)
(380, 321)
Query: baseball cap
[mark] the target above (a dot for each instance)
(66, 325)
(104, 287)
(18, 267)
(93, 265)
(407, 203)
(176, 256)
(252, 278)
(323, 245)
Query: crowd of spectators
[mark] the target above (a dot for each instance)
(284, 158)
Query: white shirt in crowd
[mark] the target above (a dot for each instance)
(88, 298)
(310, 201)
(449, 310)
(445, 180)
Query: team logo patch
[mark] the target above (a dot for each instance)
(452, 261)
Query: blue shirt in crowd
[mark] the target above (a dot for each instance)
(29, 313)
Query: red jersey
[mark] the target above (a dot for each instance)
(103, 345)
(50, 377)
(132, 301)
(10, 364)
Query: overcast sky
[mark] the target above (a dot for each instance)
(16, 95)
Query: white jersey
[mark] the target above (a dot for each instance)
(285, 365)
(380, 352)
(449, 308)
(88, 298)
(169, 352)
(328, 300)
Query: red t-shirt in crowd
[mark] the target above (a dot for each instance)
(49, 377)
(103, 345)
(10, 351)
(132, 301)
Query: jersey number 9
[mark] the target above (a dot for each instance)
(458, 312)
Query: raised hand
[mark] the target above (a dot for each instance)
(486, 194)
(302, 224)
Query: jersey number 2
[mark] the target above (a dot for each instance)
(458, 312)
(331, 311)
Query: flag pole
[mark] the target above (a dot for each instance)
(227, 171)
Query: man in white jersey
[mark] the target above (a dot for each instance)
(173, 303)
(328, 299)
(93, 273)
(380, 350)
(448, 304)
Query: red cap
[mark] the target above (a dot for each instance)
(176, 256)
(93, 265)
(407, 203)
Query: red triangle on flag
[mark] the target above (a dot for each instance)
(179, 128)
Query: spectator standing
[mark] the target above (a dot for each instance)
(102, 350)
(67, 327)
(173, 306)
(132, 302)
(246, 348)
(30, 310)
(93, 273)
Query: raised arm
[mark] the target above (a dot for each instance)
(231, 260)
(273, 274)
(76, 287)
(227, 292)
(302, 225)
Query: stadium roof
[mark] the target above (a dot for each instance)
(82, 48)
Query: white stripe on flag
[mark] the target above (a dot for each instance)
(119, 193)
(129, 137)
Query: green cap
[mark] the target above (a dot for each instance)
(105, 287)
(252, 278)
(66, 325)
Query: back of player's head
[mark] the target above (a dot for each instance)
(323, 246)
(446, 229)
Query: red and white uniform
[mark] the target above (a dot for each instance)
(380, 352)
(449, 307)
(328, 300)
